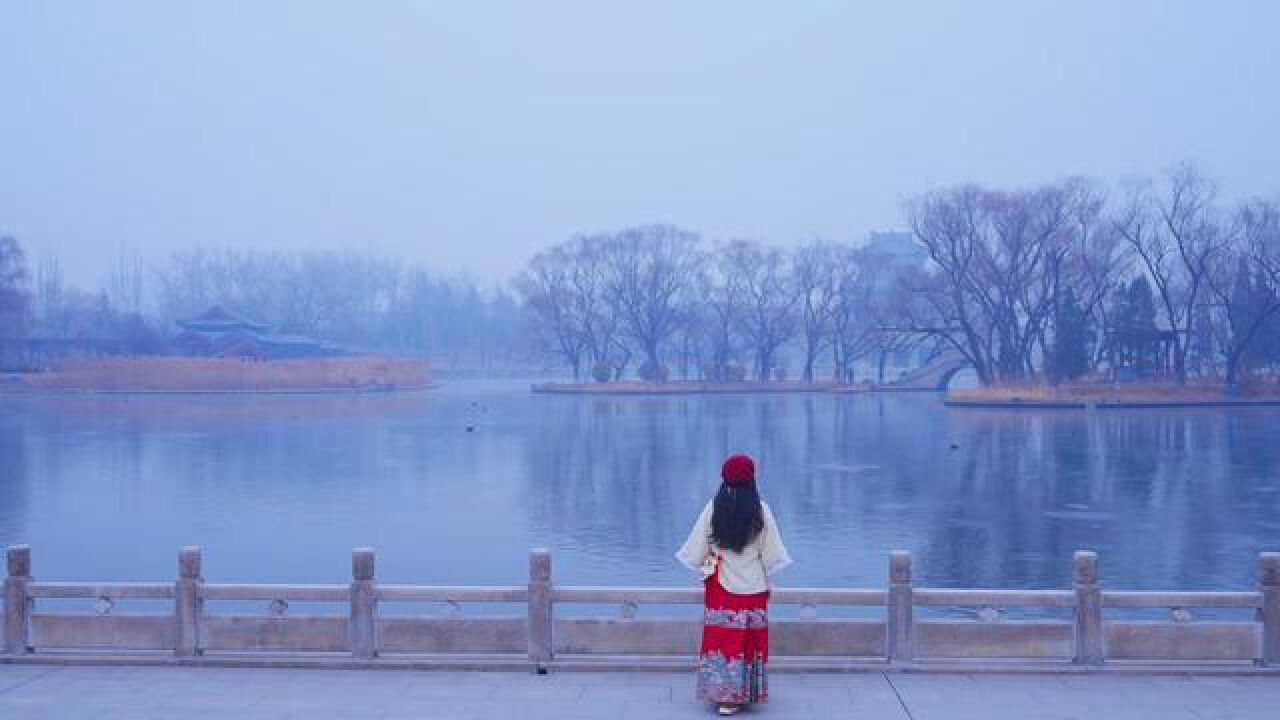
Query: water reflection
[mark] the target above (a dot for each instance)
(281, 488)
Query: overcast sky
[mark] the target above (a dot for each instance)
(466, 135)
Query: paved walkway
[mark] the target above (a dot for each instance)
(110, 693)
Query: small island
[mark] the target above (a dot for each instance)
(694, 387)
(217, 352)
(189, 375)
(1106, 395)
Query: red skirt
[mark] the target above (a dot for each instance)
(735, 647)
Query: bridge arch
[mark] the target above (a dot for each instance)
(936, 375)
(944, 380)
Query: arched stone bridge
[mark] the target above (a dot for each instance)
(934, 376)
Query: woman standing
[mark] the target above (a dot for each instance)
(736, 546)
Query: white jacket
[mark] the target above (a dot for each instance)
(741, 573)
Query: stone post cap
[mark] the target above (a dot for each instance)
(539, 565)
(900, 566)
(190, 564)
(18, 559)
(362, 564)
(1086, 567)
(1269, 569)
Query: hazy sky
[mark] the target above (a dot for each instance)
(468, 134)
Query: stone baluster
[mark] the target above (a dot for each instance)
(1088, 615)
(539, 624)
(1269, 584)
(187, 604)
(364, 605)
(901, 623)
(17, 606)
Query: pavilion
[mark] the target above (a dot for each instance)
(218, 332)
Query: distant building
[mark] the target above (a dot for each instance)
(893, 252)
(898, 251)
(901, 247)
(220, 333)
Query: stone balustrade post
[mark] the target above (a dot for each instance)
(1269, 584)
(1088, 614)
(539, 623)
(17, 606)
(187, 605)
(900, 628)
(363, 628)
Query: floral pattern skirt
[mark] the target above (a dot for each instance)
(735, 647)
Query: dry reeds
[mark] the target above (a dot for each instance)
(1104, 392)
(179, 374)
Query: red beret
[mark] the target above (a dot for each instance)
(738, 470)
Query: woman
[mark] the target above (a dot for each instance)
(736, 546)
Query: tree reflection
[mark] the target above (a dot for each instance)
(1000, 499)
(1170, 499)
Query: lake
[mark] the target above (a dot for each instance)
(280, 488)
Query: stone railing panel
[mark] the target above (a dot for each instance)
(1012, 639)
(269, 634)
(659, 636)
(417, 635)
(1207, 641)
(61, 631)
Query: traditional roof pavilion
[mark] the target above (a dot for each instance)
(221, 333)
(218, 319)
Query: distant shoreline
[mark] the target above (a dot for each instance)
(1105, 397)
(1108, 405)
(693, 388)
(171, 375)
(28, 391)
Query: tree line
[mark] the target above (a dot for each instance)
(1059, 280)
(1046, 283)
(654, 295)
(358, 301)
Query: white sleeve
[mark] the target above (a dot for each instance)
(697, 548)
(773, 554)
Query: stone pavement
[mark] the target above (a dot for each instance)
(30, 692)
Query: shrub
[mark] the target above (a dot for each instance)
(736, 372)
(654, 372)
(780, 373)
(601, 372)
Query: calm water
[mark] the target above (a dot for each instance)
(280, 489)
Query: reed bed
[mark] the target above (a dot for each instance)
(185, 374)
(1196, 391)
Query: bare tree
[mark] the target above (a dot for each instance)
(594, 299)
(653, 269)
(126, 286)
(767, 317)
(547, 289)
(947, 223)
(1176, 234)
(14, 299)
(720, 302)
(50, 300)
(1098, 263)
(1098, 260)
(894, 310)
(854, 320)
(998, 259)
(815, 269)
(1246, 300)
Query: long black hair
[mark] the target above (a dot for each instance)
(736, 517)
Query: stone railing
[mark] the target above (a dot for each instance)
(181, 628)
